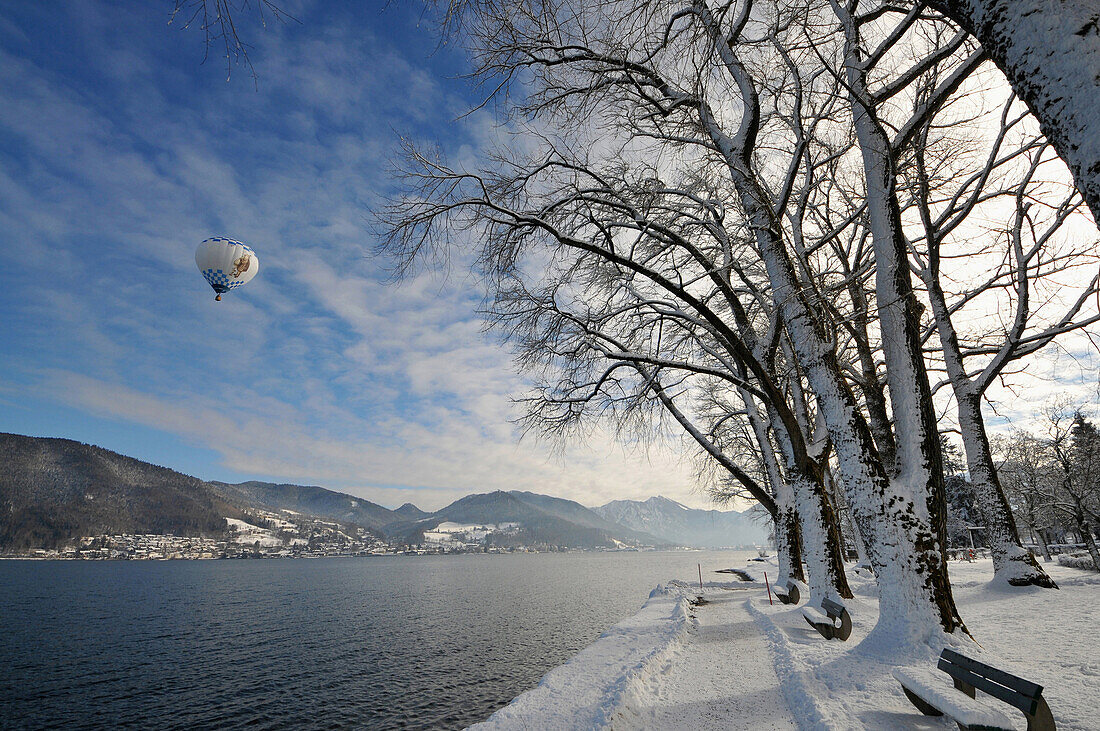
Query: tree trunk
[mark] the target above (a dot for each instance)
(819, 529)
(816, 521)
(846, 522)
(916, 488)
(1011, 561)
(1088, 539)
(1044, 545)
(788, 546)
(821, 542)
(873, 393)
(1050, 52)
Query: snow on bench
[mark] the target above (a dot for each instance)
(825, 621)
(790, 596)
(931, 693)
(929, 689)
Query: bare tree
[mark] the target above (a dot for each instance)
(1075, 443)
(1028, 473)
(1050, 53)
(946, 196)
(219, 22)
(609, 340)
(665, 73)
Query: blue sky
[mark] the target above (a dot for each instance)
(120, 151)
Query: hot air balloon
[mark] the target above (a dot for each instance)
(226, 264)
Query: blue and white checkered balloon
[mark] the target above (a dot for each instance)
(226, 264)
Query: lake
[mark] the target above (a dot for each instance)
(381, 642)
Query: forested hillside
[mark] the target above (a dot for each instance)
(55, 490)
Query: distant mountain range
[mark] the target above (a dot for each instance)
(543, 520)
(53, 491)
(684, 526)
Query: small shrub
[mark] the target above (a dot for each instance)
(1077, 561)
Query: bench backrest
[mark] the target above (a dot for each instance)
(988, 679)
(833, 609)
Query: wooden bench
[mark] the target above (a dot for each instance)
(859, 567)
(824, 620)
(933, 696)
(790, 595)
(739, 573)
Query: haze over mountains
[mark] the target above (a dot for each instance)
(543, 520)
(54, 491)
(681, 525)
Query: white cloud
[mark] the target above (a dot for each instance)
(427, 464)
(317, 372)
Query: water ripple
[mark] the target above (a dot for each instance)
(389, 642)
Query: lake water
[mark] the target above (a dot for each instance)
(381, 642)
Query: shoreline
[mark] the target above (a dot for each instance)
(414, 553)
(671, 664)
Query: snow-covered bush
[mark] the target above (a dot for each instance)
(1077, 561)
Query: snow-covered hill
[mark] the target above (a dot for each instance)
(535, 521)
(686, 526)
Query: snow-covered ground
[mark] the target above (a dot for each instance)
(736, 661)
(249, 534)
(457, 532)
(587, 691)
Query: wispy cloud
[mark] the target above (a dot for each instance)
(119, 153)
(120, 157)
(428, 464)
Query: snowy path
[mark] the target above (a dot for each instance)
(716, 676)
(588, 691)
(738, 662)
(1042, 635)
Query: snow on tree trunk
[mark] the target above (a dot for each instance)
(845, 522)
(817, 526)
(916, 489)
(1011, 561)
(821, 549)
(820, 532)
(786, 516)
(1050, 52)
(788, 546)
(915, 602)
(819, 529)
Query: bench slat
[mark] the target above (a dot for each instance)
(1032, 690)
(832, 607)
(1019, 700)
